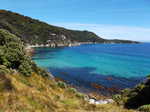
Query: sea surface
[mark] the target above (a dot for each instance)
(97, 66)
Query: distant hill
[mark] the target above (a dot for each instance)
(33, 31)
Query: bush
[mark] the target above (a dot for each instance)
(138, 96)
(25, 68)
(148, 76)
(118, 99)
(72, 90)
(12, 53)
(80, 95)
(4, 70)
(144, 108)
(61, 84)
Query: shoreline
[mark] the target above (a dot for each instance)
(53, 45)
(30, 48)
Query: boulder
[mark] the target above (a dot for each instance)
(92, 101)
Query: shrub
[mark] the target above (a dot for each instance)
(80, 95)
(118, 99)
(39, 70)
(72, 90)
(148, 76)
(25, 68)
(4, 70)
(137, 96)
(61, 84)
(12, 53)
(144, 108)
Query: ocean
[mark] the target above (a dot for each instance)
(97, 67)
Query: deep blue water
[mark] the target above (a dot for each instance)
(110, 65)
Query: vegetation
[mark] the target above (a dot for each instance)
(13, 56)
(12, 53)
(19, 93)
(137, 97)
(4, 70)
(144, 108)
(61, 84)
(33, 31)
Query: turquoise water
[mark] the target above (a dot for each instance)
(126, 64)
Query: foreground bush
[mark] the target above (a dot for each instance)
(72, 90)
(138, 96)
(4, 70)
(13, 56)
(12, 53)
(61, 84)
(144, 108)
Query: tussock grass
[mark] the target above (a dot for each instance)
(38, 94)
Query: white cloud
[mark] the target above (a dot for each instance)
(112, 31)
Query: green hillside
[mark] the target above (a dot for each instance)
(33, 31)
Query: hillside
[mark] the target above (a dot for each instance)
(33, 31)
(24, 87)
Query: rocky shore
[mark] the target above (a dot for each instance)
(54, 45)
(30, 48)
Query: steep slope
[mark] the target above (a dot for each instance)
(19, 93)
(33, 31)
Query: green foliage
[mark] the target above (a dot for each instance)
(144, 108)
(25, 68)
(61, 84)
(148, 76)
(80, 95)
(72, 90)
(33, 31)
(12, 53)
(138, 96)
(118, 99)
(39, 70)
(4, 70)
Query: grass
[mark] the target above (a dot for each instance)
(38, 94)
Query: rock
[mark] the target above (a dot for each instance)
(101, 102)
(98, 102)
(92, 101)
(110, 100)
(86, 98)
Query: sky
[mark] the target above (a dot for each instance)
(111, 19)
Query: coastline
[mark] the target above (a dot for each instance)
(30, 48)
(54, 45)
